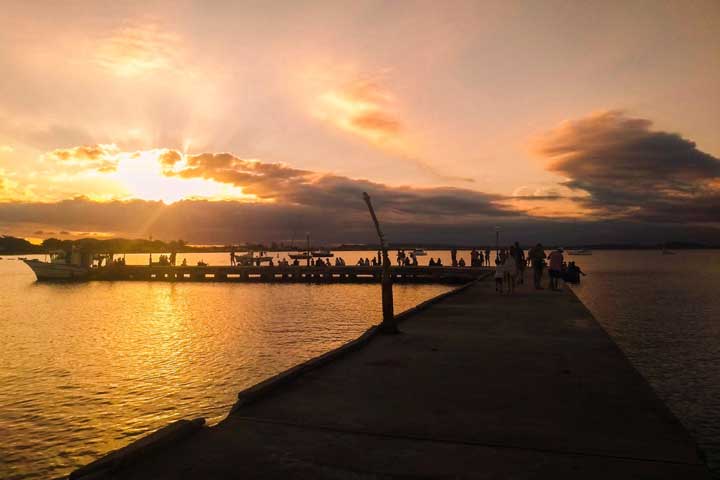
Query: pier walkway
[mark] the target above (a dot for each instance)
(478, 385)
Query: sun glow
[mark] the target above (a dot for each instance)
(141, 176)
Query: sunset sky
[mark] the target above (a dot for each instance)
(258, 121)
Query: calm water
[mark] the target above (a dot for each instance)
(664, 312)
(88, 368)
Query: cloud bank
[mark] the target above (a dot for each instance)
(631, 184)
(631, 171)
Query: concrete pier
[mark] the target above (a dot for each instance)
(477, 385)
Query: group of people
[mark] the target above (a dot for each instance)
(477, 259)
(510, 267)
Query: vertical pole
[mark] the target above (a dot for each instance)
(497, 241)
(388, 324)
(307, 260)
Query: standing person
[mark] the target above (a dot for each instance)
(499, 275)
(453, 257)
(474, 258)
(487, 256)
(480, 260)
(232, 258)
(537, 257)
(555, 268)
(510, 268)
(520, 262)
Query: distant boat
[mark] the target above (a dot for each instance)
(419, 252)
(580, 251)
(322, 254)
(249, 258)
(300, 256)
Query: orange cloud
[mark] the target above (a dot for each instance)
(137, 49)
(102, 158)
(363, 108)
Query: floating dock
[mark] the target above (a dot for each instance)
(288, 274)
(477, 385)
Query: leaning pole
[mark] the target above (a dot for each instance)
(388, 324)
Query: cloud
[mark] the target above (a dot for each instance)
(137, 49)
(284, 184)
(231, 221)
(102, 158)
(364, 108)
(629, 170)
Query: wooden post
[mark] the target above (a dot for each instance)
(388, 324)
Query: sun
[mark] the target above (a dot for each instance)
(141, 176)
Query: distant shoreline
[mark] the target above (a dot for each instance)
(228, 248)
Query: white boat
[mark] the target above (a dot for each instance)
(419, 252)
(580, 251)
(322, 254)
(57, 271)
(62, 266)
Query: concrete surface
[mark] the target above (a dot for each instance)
(478, 386)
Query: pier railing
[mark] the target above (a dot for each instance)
(298, 274)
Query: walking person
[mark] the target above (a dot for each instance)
(555, 268)
(519, 256)
(499, 275)
(537, 257)
(510, 268)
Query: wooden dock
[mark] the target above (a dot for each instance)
(289, 274)
(478, 385)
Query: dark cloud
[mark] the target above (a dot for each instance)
(228, 221)
(287, 185)
(630, 170)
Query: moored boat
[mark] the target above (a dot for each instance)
(322, 254)
(45, 271)
(67, 265)
(580, 251)
(419, 252)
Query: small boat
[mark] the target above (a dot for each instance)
(419, 252)
(322, 254)
(300, 256)
(580, 251)
(249, 259)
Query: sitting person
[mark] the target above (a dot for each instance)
(461, 262)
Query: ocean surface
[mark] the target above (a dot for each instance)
(664, 313)
(87, 368)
